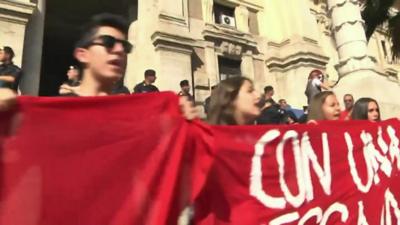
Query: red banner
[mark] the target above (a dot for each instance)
(331, 173)
(92, 161)
(135, 160)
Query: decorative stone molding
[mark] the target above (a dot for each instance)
(230, 48)
(310, 41)
(172, 42)
(342, 15)
(16, 11)
(251, 4)
(350, 38)
(300, 59)
(340, 3)
(207, 6)
(178, 14)
(214, 32)
(320, 11)
(347, 23)
(354, 64)
(279, 45)
(392, 75)
(325, 23)
(290, 54)
(173, 19)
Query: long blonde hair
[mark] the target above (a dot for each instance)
(315, 108)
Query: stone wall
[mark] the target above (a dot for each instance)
(14, 16)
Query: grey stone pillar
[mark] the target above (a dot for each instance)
(33, 45)
(351, 42)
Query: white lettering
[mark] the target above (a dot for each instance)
(320, 216)
(353, 170)
(362, 220)
(375, 157)
(287, 218)
(324, 175)
(315, 212)
(390, 202)
(305, 158)
(394, 146)
(256, 188)
(336, 207)
(382, 144)
(295, 201)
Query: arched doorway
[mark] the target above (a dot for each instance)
(62, 23)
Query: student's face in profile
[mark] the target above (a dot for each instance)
(246, 103)
(105, 63)
(331, 108)
(373, 112)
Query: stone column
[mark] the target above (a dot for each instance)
(242, 18)
(358, 71)
(248, 65)
(208, 10)
(140, 33)
(33, 45)
(351, 42)
(211, 64)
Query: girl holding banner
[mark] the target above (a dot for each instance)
(234, 102)
(366, 109)
(324, 106)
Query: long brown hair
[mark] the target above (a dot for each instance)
(315, 108)
(360, 109)
(222, 98)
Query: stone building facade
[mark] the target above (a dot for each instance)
(273, 42)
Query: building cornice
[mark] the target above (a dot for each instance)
(16, 11)
(392, 75)
(299, 59)
(290, 54)
(172, 42)
(221, 32)
(256, 5)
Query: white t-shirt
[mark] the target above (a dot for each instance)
(316, 82)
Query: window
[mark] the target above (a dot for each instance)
(224, 15)
(228, 68)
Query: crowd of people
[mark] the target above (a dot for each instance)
(102, 55)
(236, 102)
(102, 51)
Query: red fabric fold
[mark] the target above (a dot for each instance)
(96, 160)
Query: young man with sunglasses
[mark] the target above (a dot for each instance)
(102, 52)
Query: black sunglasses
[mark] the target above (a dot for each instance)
(109, 42)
